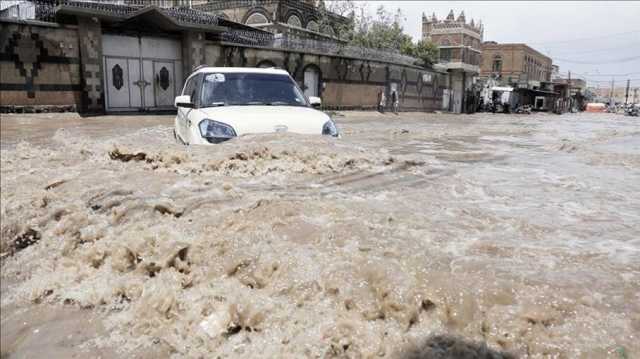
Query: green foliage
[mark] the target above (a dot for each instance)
(382, 31)
(426, 51)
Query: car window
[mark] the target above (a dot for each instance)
(244, 89)
(190, 87)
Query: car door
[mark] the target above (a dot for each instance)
(182, 127)
(193, 117)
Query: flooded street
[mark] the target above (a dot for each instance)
(409, 235)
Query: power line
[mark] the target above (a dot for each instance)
(613, 61)
(588, 80)
(594, 50)
(607, 75)
(585, 38)
(590, 77)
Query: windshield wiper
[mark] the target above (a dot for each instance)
(251, 103)
(279, 103)
(216, 104)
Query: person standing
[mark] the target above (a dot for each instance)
(394, 101)
(382, 99)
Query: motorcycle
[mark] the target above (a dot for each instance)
(632, 110)
(526, 109)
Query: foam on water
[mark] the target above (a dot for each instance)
(296, 246)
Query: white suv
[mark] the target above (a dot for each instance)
(219, 103)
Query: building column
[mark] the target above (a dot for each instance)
(192, 51)
(92, 80)
(463, 97)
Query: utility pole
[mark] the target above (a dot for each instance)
(626, 96)
(635, 95)
(611, 93)
(569, 90)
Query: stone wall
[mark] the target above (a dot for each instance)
(45, 65)
(39, 65)
(346, 83)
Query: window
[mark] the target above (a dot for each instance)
(246, 89)
(313, 26)
(445, 55)
(293, 20)
(497, 64)
(191, 86)
(256, 19)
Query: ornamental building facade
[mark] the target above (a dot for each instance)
(460, 45)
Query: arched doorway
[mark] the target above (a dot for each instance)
(312, 81)
(265, 64)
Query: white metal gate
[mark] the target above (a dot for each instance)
(141, 73)
(311, 82)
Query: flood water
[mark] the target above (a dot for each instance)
(499, 235)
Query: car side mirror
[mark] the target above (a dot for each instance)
(184, 101)
(315, 101)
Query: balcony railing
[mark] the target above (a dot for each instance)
(317, 46)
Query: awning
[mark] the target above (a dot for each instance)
(119, 14)
(170, 19)
(502, 88)
(538, 92)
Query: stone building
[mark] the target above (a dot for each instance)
(102, 57)
(515, 64)
(306, 19)
(460, 45)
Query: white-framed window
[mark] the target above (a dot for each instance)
(256, 19)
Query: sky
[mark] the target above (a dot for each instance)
(591, 39)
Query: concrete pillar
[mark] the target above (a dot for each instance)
(92, 79)
(192, 51)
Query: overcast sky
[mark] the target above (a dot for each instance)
(588, 38)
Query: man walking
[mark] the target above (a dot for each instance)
(394, 101)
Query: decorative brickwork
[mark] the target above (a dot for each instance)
(35, 60)
(90, 34)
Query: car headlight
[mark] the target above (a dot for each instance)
(216, 132)
(330, 129)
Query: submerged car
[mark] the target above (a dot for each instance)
(220, 103)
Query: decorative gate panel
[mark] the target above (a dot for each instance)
(141, 73)
(117, 83)
(164, 83)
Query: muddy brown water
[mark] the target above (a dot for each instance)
(413, 235)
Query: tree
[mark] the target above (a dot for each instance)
(382, 32)
(426, 51)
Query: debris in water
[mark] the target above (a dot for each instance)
(126, 157)
(24, 240)
(54, 184)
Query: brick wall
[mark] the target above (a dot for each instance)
(517, 60)
(39, 65)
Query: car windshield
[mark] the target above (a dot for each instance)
(245, 89)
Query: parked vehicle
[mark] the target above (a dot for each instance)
(632, 110)
(596, 107)
(526, 109)
(220, 103)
